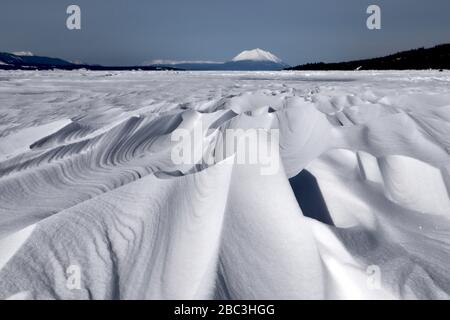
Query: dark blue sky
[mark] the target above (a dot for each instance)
(119, 32)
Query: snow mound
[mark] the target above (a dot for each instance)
(358, 208)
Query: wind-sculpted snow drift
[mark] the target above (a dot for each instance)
(358, 208)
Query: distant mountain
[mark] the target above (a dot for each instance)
(249, 60)
(419, 59)
(31, 60)
(27, 61)
(191, 66)
(257, 55)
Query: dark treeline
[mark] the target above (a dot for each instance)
(419, 59)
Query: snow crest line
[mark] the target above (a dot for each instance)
(96, 207)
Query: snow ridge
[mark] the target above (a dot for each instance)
(359, 208)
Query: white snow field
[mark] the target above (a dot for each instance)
(93, 207)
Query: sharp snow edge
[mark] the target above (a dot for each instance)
(368, 189)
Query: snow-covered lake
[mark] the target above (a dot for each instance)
(92, 205)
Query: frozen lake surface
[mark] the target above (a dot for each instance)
(92, 205)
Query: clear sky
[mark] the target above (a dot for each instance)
(129, 32)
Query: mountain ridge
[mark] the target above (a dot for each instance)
(247, 60)
(10, 61)
(437, 57)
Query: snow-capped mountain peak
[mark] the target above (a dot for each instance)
(256, 55)
(24, 53)
(249, 60)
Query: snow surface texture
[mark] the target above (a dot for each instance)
(86, 180)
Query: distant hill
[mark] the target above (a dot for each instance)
(16, 60)
(9, 61)
(249, 60)
(228, 66)
(419, 59)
